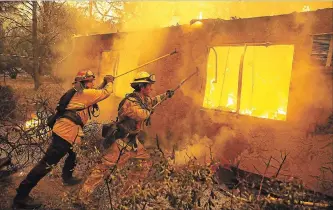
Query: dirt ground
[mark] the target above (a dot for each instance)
(49, 190)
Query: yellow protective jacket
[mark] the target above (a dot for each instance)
(67, 129)
(138, 108)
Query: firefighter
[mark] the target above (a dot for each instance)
(65, 133)
(129, 136)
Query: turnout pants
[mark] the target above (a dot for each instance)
(57, 150)
(111, 158)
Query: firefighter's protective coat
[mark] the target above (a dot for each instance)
(133, 108)
(138, 108)
(84, 99)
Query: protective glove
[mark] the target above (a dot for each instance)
(109, 78)
(170, 93)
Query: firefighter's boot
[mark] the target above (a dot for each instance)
(71, 181)
(26, 203)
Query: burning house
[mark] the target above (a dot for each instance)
(263, 85)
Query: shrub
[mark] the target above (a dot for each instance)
(13, 74)
(8, 103)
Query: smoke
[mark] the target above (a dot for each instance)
(156, 14)
(225, 147)
(310, 85)
(143, 15)
(181, 121)
(73, 52)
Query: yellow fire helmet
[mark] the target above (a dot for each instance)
(84, 75)
(144, 77)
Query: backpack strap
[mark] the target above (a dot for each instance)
(142, 105)
(64, 100)
(69, 114)
(138, 100)
(122, 102)
(73, 116)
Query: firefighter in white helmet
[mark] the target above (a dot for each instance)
(133, 112)
(73, 111)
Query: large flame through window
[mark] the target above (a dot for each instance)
(265, 80)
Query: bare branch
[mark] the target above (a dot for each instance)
(27, 4)
(280, 167)
(13, 20)
(99, 12)
(158, 145)
(263, 177)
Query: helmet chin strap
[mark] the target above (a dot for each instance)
(83, 85)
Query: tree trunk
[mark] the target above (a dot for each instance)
(90, 8)
(2, 66)
(36, 74)
(2, 34)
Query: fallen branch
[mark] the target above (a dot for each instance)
(233, 196)
(303, 203)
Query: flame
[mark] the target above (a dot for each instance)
(230, 100)
(161, 10)
(246, 112)
(264, 93)
(200, 16)
(281, 111)
(279, 114)
(32, 127)
(212, 86)
(306, 8)
(207, 100)
(264, 116)
(32, 123)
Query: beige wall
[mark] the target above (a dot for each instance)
(182, 121)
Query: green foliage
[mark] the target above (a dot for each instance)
(13, 74)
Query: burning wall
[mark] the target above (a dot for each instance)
(183, 121)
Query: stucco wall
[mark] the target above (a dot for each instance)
(182, 121)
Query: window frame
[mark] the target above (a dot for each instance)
(241, 67)
(329, 58)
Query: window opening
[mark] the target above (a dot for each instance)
(255, 82)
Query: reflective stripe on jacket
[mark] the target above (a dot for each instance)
(67, 129)
(138, 108)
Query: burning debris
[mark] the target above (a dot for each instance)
(270, 193)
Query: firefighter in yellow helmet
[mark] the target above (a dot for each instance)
(73, 112)
(133, 112)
